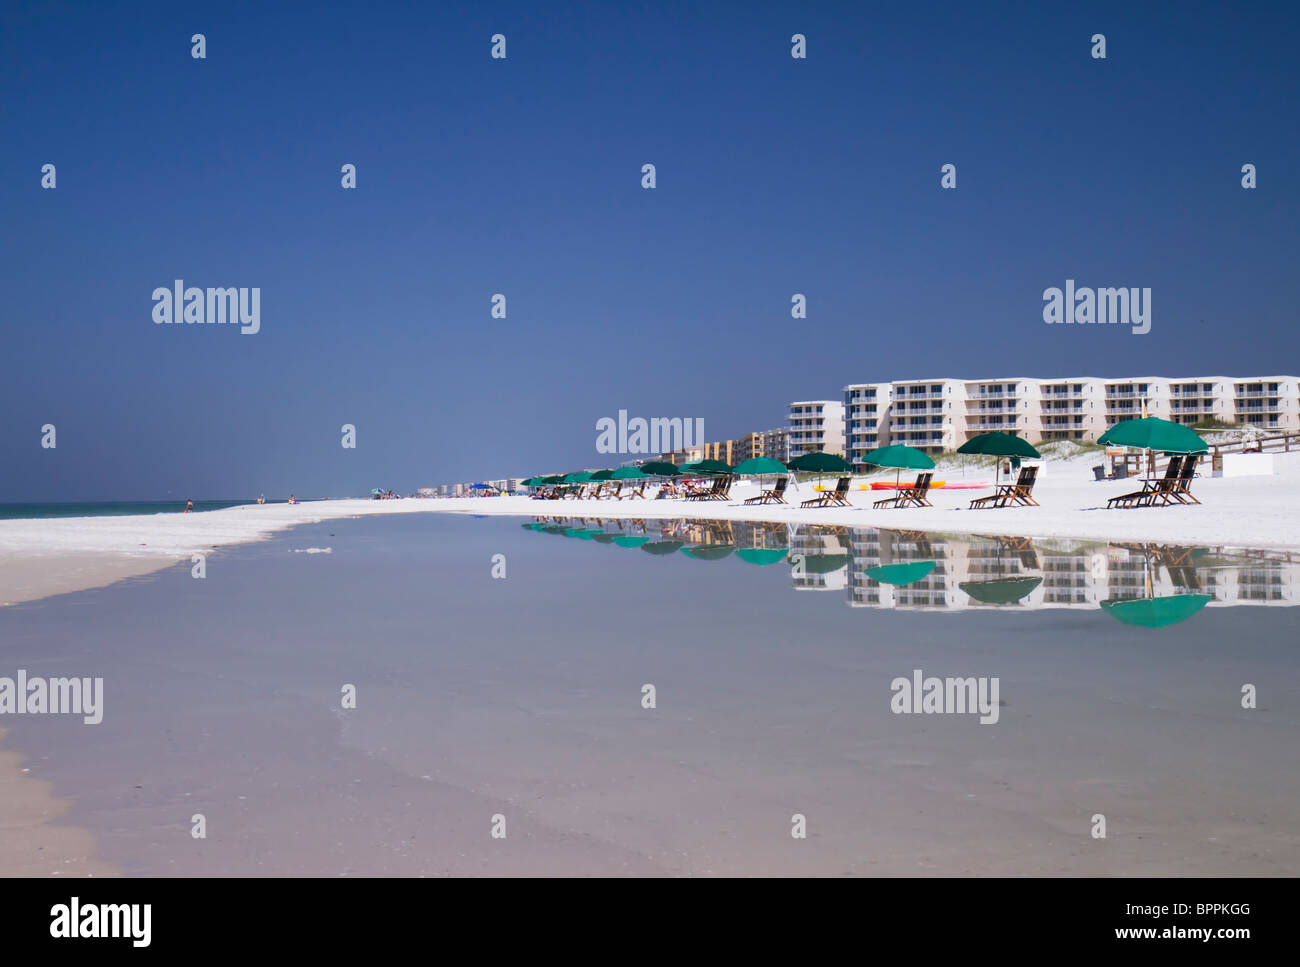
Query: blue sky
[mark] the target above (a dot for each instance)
(523, 176)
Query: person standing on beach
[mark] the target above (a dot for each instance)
(189, 506)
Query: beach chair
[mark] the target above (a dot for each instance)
(718, 491)
(774, 496)
(1020, 492)
(1152, 490)
(638, 492)
(1181, 489)
(913, 496)
(839, 497)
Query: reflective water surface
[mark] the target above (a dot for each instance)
(1153, 686)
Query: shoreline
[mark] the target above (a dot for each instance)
(32, 842)
(41, 557)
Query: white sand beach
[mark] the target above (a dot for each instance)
(40, 557)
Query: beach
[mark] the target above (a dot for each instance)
(40, 557)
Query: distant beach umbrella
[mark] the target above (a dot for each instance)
(630, 540)
(761, 467)
(1156, 612)
(709, 552)
(659, 468)
(662, 547)
(603, 538)
(762, 556)
(824, 563)
(628, 473)
(706, 466)
(899, 458)
(602, 474)
(901, 575)
(1002, 591)
(820, 462)
(1154, 433)
(999, 445)
(579, 476)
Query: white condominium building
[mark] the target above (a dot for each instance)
(942, 414)
(816, 425)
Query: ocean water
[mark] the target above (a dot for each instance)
(503, 669)
(111, 508)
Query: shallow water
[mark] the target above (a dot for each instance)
(773, 655)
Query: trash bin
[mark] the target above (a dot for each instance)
(1099, 472)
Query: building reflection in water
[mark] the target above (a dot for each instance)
(917, 570)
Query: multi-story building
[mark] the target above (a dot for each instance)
(816, 426)
(942, 414)
(928, 414)
(866, 418)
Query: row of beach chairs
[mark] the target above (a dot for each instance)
(1174, 486)
(596, 491)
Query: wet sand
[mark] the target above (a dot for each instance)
(32, 840)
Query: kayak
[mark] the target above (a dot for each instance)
(934, 485)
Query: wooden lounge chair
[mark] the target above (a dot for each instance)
(1020, 492)
(718, 491)
(1153, 489)
(774, 496)
(914, 496)
(638, 492)
(839, 497)
(1181, 489)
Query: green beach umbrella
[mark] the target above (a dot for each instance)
(999, 445)
(706, 466)
(1153, 433)
(1003, 591)
(901, 575)
(555, 478)
(578, 476)
(629, 540)
(824, 563)
(709, 552)
(1156, 612)
(899, 458)
(819, 462)
(628, 473)
(603, 538)
(762, 556)
(761, 467)
(662, 547)
(602, 474)
(660, 468)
